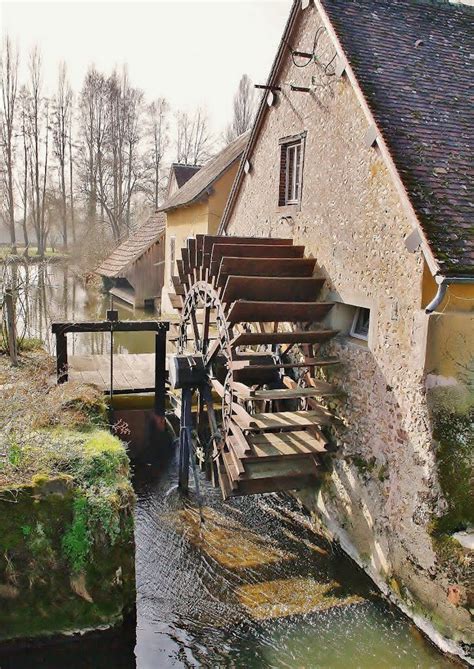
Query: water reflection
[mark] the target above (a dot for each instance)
(56, 292)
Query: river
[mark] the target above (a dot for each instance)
(246, 584)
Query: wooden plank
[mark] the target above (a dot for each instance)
(245, 311)
(283, 445)
(275, 484)
(178, 286)
(237, 365)
(291, 267)
(199, 250)
(185, 259)
(321, 389)
(182, 273)
(240, 441)
(260, 338)
(256, 288)
(224, 482)
(251, 250)
(210, 240)
(63, 327)
(176, 301)
(191, 244)
(231, 469)
(233, 451)
(290, 420)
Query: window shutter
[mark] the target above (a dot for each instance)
(282, 189)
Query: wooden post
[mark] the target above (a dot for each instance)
(11, 326)
(184, 437)
(61, 357)
(160, 378)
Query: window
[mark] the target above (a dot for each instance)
(291, 161)
(360, 324)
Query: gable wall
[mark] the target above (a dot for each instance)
(384, 491)
(199, 218)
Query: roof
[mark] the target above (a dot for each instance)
(198, 186)
(412, 60)
(132, 248)
(183, 173)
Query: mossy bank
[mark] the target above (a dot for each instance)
(66, 508)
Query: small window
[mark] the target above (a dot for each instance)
(360, 324)
(290, 172)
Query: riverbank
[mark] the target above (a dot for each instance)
(66, 507)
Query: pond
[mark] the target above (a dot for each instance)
(241, 584)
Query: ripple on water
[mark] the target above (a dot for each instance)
(254, 587)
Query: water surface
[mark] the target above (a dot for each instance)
(242, 584)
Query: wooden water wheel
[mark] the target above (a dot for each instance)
(250, 316)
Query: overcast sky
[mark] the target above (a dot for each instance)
(192, 53)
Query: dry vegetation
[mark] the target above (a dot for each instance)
(43, 426)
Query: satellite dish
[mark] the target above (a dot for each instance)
(270, 98)
(304, 4)
(247, 167)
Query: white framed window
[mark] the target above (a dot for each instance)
(293, 173)
(291, 169)
(360, 324)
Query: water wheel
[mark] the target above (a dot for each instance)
(247, 353)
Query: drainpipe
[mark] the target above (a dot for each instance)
(443, 283)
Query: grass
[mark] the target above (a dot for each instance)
(46, 428)
(49, 432)
(6, 251)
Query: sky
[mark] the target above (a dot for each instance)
(191, 53)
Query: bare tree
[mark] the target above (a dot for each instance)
(61, 126)
(9, 86)
(38, 132)
(23, 179)
(193, 139)
(92, 104)
(115, 170)
(157, 142)
(71, 181)
(244, 110)
(133, 105)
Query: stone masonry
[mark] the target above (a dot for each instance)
(383, 492)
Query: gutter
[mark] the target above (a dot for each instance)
(443, 283)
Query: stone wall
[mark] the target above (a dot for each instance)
(67, 564)
(383, 494)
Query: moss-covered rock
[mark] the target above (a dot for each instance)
(66, 544)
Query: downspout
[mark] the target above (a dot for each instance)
(443, 283)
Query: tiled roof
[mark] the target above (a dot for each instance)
(133, 247)
(414, 62)
(183, 173)
(197, 187)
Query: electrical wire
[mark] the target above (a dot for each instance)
(311, 57)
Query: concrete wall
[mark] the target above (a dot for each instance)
(384, 493)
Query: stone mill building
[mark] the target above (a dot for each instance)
(362, 151)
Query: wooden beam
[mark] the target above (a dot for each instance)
(321, 389)
(284, 420)
(294, 267)
(261, 338)
(287, 289)
(245, 311)
(220, 251)
(62, 327)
